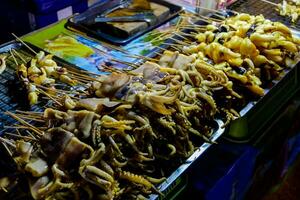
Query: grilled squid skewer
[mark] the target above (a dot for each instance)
(2, 64)
(290, 10)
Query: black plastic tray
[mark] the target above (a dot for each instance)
(80, 22)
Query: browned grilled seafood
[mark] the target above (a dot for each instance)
(136, 127)
(250, 50)
(2, 63)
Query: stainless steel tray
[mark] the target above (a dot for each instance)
(257, 114)
(257, 7)
(170, 188)
(176, 182)
(11, 95)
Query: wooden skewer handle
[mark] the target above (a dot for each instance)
(269, 2)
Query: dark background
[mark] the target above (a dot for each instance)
(13, 18)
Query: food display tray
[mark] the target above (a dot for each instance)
(257, 7)
(170, 188)
(11, 96)
(79, 22)
(177, 181)
(256, 115)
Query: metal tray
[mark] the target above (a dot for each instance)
(79, 22)
(257, 7)
(170, 188)
(11, 95)
(177, 181)
(256, 115)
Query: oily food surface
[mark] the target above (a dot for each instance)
(117, 136)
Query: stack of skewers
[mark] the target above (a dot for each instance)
(122, 134)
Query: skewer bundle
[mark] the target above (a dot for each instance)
(116, 137)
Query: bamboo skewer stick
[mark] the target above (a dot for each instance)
(51, 97)
(29, 133)
(160, 37)
(80, 71)
(63, 92)
(24, 123)
(29, 118)
(172, 44)
(83, 76)
(189, 34)
(10, 153)
(179, 35)
(209, 21)
(33, 51)
(82, 79)
(145, 57)
(157, 53)
(191, 27)
(125, 63)
(220, 16)
(174, 47)
(161, 48)
(111, 69)
(180, 42)
(6, 141)
(31, 113)
(16, 127)
(194, 30)
(24, 61)
(19, 136)
(60, 91)
(209, 18)
(269, 2)
(15, 60)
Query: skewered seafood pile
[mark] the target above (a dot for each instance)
(2, 64)
(41, 72)
(119, 141)
(250, 50)
(131, 129)
(290, 9)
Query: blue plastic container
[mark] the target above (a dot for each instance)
(41, 19)
(225, 173)
(50, 6)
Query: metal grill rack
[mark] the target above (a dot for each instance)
(12, 95)
(257, 7)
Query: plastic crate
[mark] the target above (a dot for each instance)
(39, 20)
(225, 172)
(48, 6)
